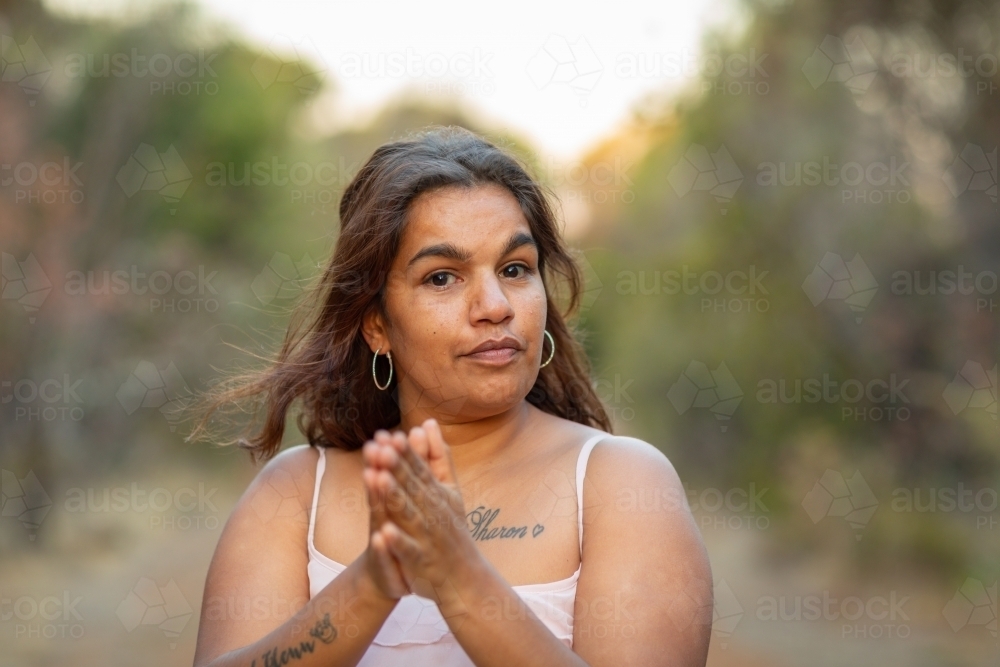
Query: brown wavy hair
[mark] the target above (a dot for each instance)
(324, 361)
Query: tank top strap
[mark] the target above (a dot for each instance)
(320, 469)
(581, 471)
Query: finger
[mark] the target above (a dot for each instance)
(439, 459)
(376, 500)
(400, 507)
(370, 453)
(388, 565)
(402, 468)
(416, 455)
(418, 441)
(381, 453)
(401, 545)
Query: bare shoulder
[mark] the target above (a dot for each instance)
(622, 461)
(283, 487)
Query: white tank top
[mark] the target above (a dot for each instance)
(415, 633)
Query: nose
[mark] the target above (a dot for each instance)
(489, 301)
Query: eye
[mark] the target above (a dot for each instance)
(436, 278)
(527, 270)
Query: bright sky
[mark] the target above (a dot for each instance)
(552, 72)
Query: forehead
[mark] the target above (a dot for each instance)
(483, 215)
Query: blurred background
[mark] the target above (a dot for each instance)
(786, 213)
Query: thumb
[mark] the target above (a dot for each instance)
(439, 454)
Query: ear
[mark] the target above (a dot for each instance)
(374, 330)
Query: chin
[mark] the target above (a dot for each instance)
(499, 395)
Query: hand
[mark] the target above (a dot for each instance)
(425, 526)
(381, 565)
(379, 561)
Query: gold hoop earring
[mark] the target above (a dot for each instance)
(553, 352)
(388, 354)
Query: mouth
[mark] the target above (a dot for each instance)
(496, 351)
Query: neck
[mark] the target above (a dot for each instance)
(477, 440)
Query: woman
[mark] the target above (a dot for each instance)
(439, 515)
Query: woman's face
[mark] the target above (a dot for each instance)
(466, 273)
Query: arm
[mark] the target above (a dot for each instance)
(256, 609)
(651, 602)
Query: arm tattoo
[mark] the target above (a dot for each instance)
(323, 630)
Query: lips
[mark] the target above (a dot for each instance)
(497, 344)
(496, 351)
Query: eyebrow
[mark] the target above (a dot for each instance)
(451, 251)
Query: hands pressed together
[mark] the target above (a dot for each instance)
(418, 537)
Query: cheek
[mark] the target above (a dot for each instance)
(531, 305)
(431, 324)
